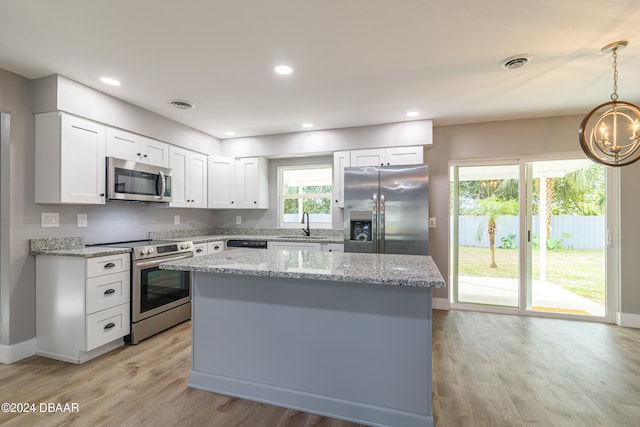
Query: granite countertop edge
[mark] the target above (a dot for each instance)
(257, 237)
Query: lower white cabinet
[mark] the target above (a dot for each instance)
(200, 249)
(305, 246)
(82, 305)
(214, 247)
(333, 247)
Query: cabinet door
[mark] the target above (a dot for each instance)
(122, 144)
(200, 249)
(197, 185)
(369, 157)
(82, 161)
(251, 178)
(221, 182)
(405, 155)
(341, 159)
(156, 152)
(179, 163)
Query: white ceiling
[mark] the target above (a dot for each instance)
(357, 62)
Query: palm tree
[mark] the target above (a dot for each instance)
(493, 207)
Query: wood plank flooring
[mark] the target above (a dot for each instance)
(489, 370)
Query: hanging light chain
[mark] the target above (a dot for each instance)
(614, 95)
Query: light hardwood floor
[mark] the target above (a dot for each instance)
(489, 370)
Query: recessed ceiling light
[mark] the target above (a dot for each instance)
(283, 69)
(413, 113)
(230, 133)
(110, 81)
(307, 125)
(181, 104)
(516, 61)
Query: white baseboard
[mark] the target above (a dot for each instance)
(441, 304)
(628, 320)
(13, 353)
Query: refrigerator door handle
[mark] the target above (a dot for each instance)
(381, 230)
(374, 223)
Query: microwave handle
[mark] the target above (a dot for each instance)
(163, 187)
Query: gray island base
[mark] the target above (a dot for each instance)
(338, 334)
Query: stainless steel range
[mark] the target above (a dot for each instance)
(160, 299)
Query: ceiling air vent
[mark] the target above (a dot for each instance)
(181, 105)
(516, 61)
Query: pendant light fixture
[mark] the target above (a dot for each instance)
(609, 134)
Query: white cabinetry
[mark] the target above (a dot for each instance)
(238, 183)
(333, 247)
(388, 156)
(130, 146)
(341, 160)
(208, 248)
(200, 249)
(82, 305)
(215, 247)
(188, 178)
(70, 159)
(305, 246)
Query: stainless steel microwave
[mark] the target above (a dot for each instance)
(128, 180)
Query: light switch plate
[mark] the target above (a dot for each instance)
(81, 220)
(49, 219)
(176, 219)
(238, 220)
(432, 222)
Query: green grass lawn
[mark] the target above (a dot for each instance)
(579, 271)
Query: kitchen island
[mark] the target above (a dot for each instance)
(347, 335)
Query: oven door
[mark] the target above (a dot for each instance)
(154, 290)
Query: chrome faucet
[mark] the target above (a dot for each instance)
(307, 231)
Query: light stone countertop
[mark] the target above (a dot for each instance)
(70, 246)
(381, 269)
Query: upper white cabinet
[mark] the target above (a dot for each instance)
(238, 183)
(188, 178)
(130, 146)
(341, 160)
(70, 159)
(388, 156)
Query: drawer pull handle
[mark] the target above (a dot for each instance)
(109, 265)
(216, 247)
(110, 291)
(198, 250)
(109, 325)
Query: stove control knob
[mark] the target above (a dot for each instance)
(184, 246)
(150, 250)
(143, 251)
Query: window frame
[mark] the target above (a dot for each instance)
(282, 196)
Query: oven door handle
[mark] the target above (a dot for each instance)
(156, 262)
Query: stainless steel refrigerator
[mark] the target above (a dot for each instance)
(386, 209)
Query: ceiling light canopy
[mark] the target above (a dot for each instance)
(307, 125)
(413, 114)
(283, 70)
(110, 81)
(610, 133)
(230, 133)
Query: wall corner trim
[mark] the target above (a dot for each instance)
(628, 320)
(13, 353)
(441, 304)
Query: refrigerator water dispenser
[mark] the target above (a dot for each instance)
(360, 226)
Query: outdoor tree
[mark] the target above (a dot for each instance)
(493, 207)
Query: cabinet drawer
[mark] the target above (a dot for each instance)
(217, 246)
(100, 266)
(107, 325)
(200, 249)
(107, 291)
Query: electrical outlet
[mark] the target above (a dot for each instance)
(176, 219)
(238, 220)
(49, 219)
(432, 222)
(82, 220)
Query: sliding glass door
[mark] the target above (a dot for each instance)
(530, 236)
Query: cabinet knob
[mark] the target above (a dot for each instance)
(231, 202)
(145, 156)
(255, 203)
(101, 194)
(139, 154)
(109, 325)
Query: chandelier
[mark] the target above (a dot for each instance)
(609, 134)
